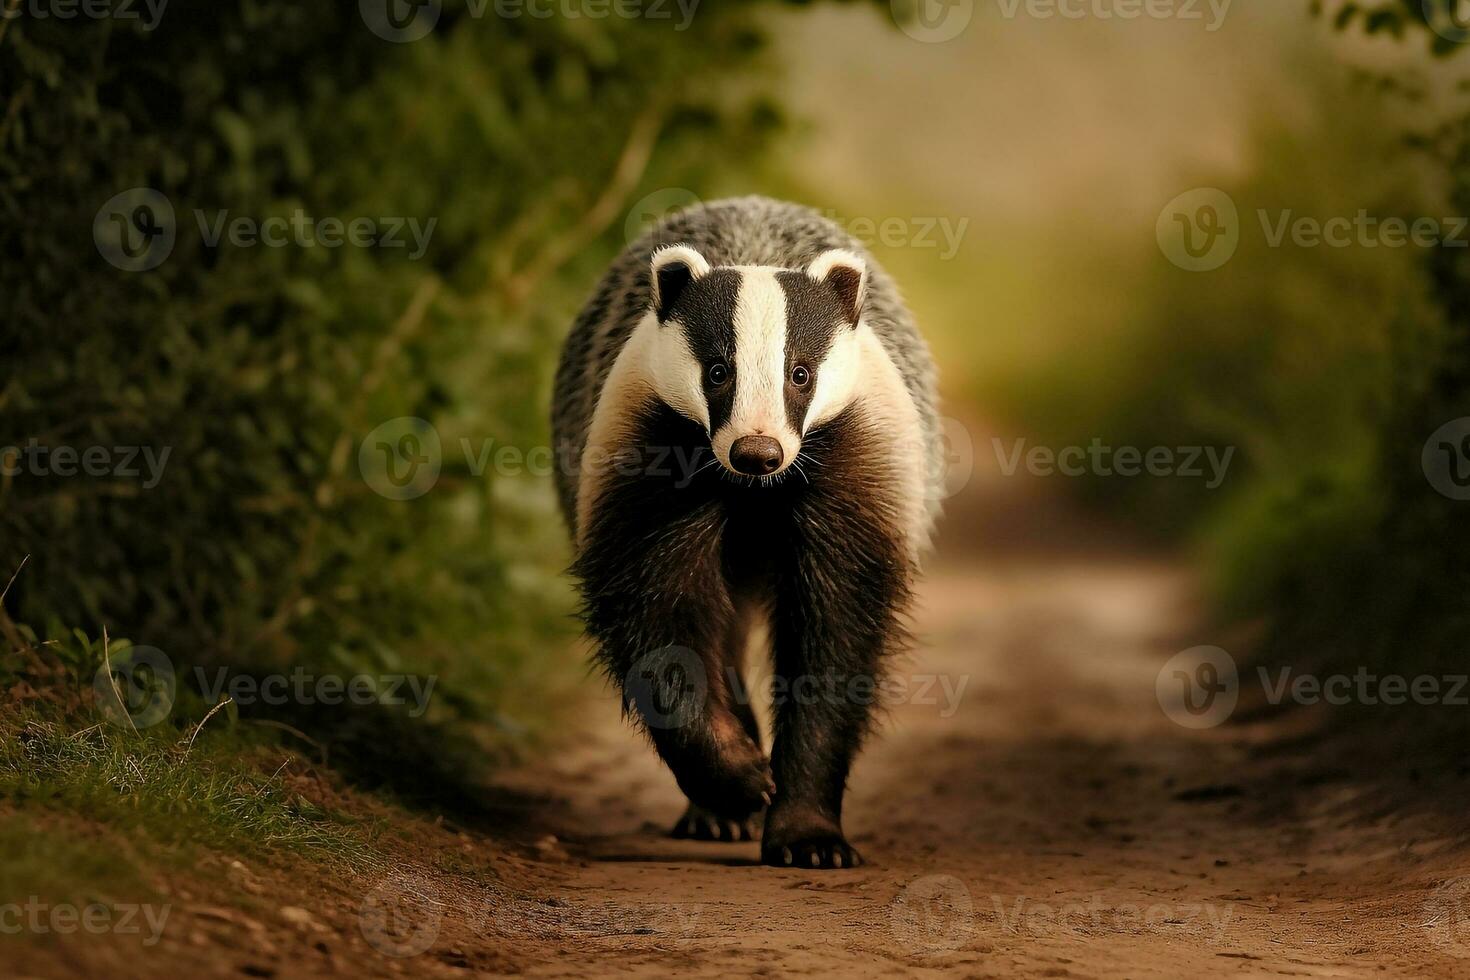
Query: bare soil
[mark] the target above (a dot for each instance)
(1044, 820)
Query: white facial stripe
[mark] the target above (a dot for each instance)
(759, 405)
(675, 370)
(760, 356)
(837, 377)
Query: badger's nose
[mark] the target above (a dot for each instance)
(756, 455)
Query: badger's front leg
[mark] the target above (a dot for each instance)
(837, 614)
(697, 822)
(657, 604)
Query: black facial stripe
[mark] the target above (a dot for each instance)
(813, 317)
(705, 311)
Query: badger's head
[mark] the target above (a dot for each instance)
(758, 355)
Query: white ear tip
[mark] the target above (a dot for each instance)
(682, 254)
(823, 264)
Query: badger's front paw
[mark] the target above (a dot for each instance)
(697, 823)
(735, 784)
(725, 773)
(822, 851)
(802, 839)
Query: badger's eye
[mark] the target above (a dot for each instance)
(800, 376)
(718, 374)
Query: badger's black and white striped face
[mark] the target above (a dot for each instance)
(756, 354)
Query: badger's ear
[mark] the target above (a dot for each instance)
(674, 268)
(846, 274)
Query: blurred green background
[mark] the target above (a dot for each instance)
(1020, 168)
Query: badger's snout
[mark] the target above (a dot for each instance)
(756, 455)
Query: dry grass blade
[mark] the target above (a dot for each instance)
(112, 682)
(204, 721)
(6, 591)
(282, 726)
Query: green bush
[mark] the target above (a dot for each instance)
(261, 370)
(1326, 369)
(1351, 550)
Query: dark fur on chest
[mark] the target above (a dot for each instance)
(822, 520)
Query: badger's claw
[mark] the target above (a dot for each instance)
(725, 773)
(825, 851)
(697, 823)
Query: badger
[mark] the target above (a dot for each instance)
(744, 418)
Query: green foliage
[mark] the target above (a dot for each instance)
(1326, 368)
(261, 370)
(1396, 18)
(1396, 586)
(1286, 356)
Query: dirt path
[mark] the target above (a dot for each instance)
(1050, 821)
(1028, 811)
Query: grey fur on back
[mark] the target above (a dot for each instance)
(734, 231)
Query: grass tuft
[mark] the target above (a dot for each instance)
(208, 793)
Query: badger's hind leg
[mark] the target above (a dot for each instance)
(698, 823)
